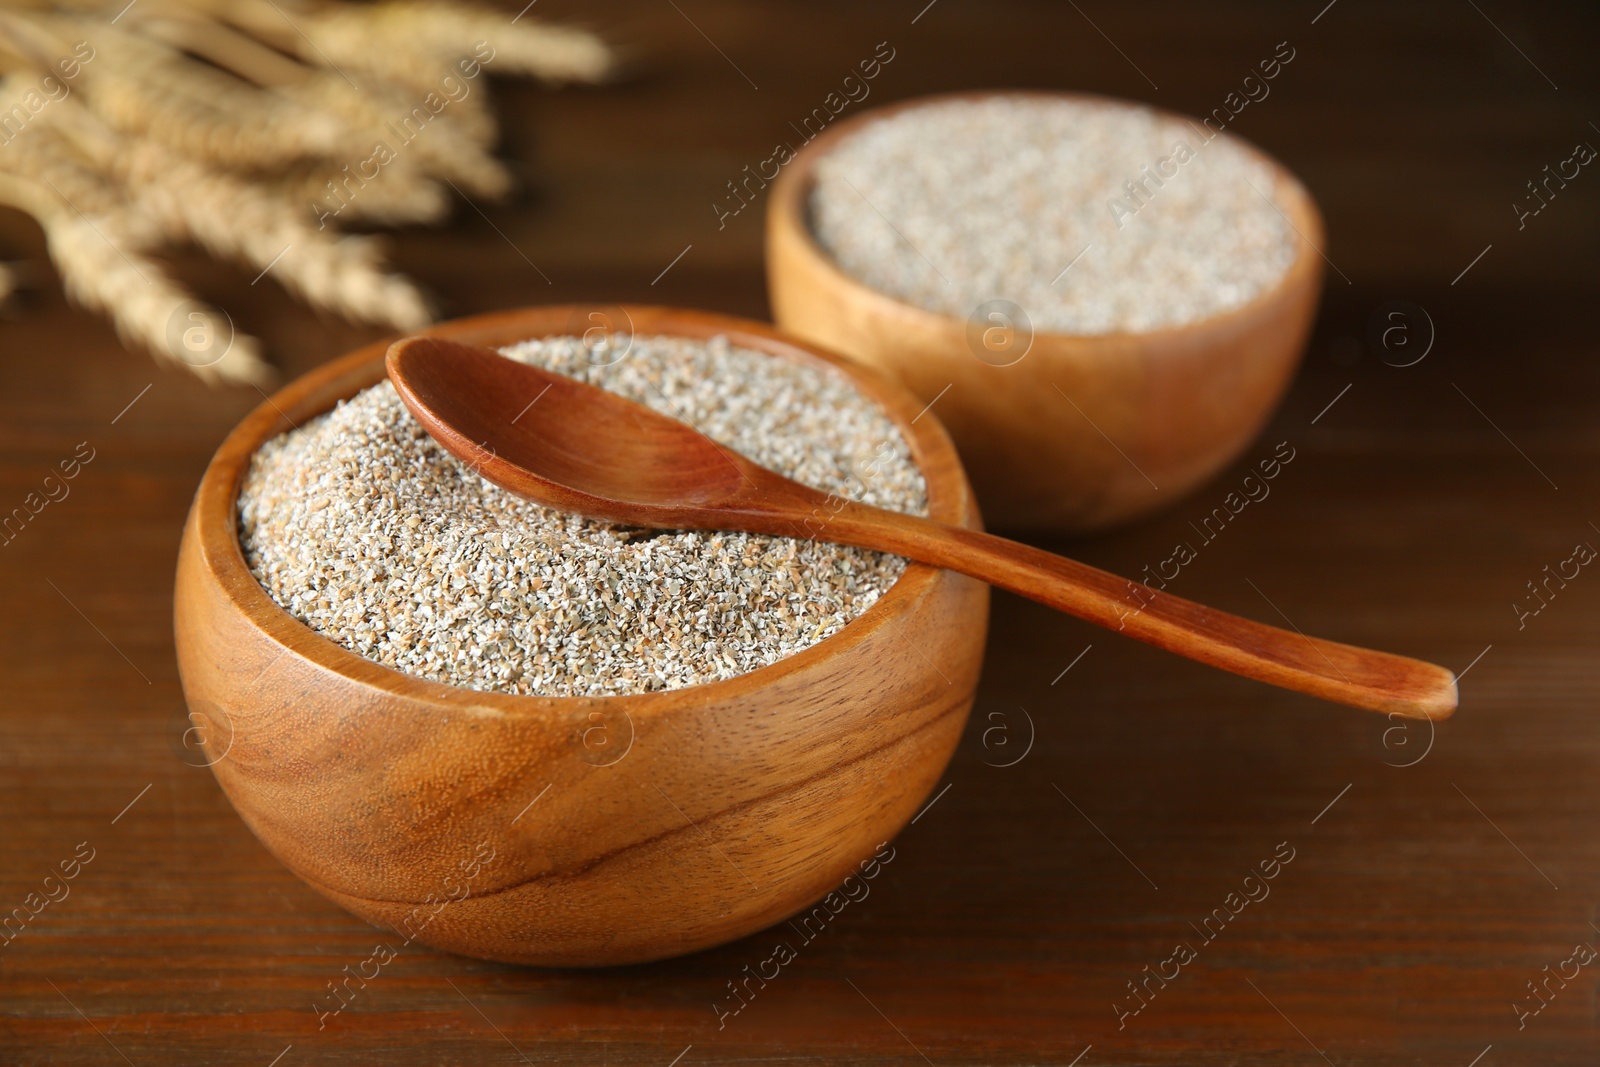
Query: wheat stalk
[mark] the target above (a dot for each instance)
(255, 129)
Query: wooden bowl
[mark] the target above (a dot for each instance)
(573, 831)
(1159, 412)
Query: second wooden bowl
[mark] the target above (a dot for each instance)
(1083, 431)
(567, 830)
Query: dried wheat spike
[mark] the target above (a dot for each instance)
(400, 194)
(411, 40)
(414, 128)
(255, 129)
(100, 249)
(235, 219)
(145, 306)
(51, 160)
(143, 88)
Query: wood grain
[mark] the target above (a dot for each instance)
(1007, 925)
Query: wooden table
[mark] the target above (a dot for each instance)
(1433, 877)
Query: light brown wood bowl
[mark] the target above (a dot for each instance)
(1178, 403)
(736, 803)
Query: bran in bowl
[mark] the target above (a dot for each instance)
(362, 527)
(1096, 216)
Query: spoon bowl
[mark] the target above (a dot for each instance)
(557, 435)
(564, 444)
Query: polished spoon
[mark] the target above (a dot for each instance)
(577, 448)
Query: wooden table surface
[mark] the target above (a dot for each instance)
(1434, 876)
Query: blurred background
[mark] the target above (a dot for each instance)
(1447, 873)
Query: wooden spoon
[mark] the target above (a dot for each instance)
(578, 448)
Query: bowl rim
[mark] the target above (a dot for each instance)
(215, 510)
(789, 207)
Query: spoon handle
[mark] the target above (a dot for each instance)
(1363, 678)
